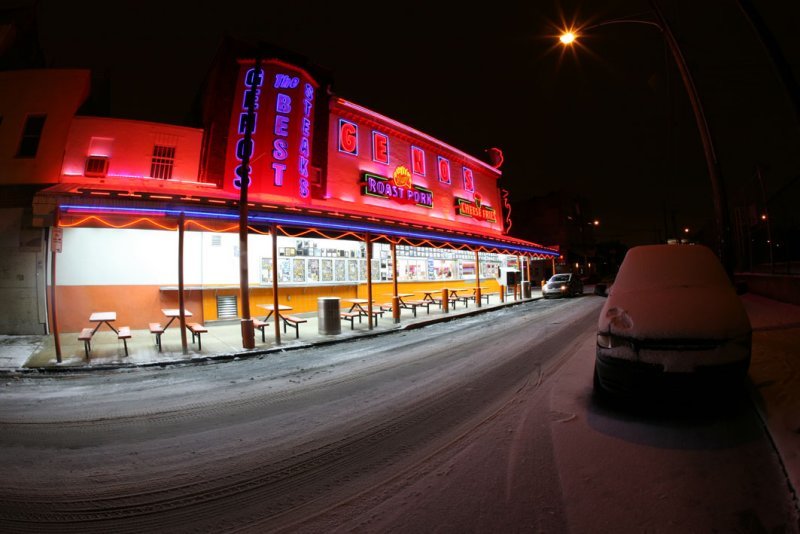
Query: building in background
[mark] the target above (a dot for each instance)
(331, 185)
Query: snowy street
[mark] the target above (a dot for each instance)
(485, 424)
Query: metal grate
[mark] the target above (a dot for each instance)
(226, 306)
(163, 161)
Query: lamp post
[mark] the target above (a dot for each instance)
(721, 216)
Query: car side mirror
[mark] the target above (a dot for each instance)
(601, 289)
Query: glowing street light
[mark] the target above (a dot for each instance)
(569, 37)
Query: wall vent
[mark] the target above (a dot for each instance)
(96, 166)
(226, 307)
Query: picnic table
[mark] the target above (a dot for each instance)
(107, 317)
(288, 320)
(454, 296)
(103, 317)
(271, 309)
(174, 313)
(411, 304)
(357, 305)
(357, 310)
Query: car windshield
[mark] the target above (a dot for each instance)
(560, 278)
(669, 266)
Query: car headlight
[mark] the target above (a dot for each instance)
(610, 341)
(563, 287)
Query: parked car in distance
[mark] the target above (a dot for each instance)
(672, 322)
(562, 285)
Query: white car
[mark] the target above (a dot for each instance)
(562, 285)
(672, 322)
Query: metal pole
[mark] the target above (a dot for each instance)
(395, 292)
(477, 279)
(248, 332)
(53, 312)
(181, 301)
(766, 214)
(274, 231)
(369, 279)
(722, 218)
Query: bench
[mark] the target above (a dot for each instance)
(350, 316)
(419, 304)
(260, 325)
(196, 329)
(157, 330)
(487, 295)
(124, 333)
(86, 336)
(294, 322)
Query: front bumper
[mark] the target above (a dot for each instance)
(628, 378)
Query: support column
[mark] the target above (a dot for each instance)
(248, 334)
(54, 250)
(368, 243)
(395, 300)
(181, 300)
(274, 231)
(477, 279)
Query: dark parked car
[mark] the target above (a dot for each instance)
(562, 285)
(672, 322)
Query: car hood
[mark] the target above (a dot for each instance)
(675, 312)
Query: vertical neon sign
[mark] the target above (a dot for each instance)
(280, 158)
(252, 82)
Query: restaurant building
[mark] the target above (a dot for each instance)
(341, 201)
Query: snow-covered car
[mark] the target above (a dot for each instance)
(672, 322)
(562, 285)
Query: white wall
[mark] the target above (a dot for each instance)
(101, 256)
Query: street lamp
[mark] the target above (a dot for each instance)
(722, 220)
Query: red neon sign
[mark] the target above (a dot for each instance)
(282, 131)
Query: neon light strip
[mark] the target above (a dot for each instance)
(298, 220)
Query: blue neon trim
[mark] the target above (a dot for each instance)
(319, 222)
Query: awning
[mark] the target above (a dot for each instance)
(97, 206)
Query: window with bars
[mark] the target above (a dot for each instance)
(163, 162)
(31, 135)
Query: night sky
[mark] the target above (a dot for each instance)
(608, 119)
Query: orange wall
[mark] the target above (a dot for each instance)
(136, 306)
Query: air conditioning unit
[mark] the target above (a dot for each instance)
(96, 166)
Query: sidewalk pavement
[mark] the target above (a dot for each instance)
(774, 370)
(223, 341)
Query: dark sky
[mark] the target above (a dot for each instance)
(609, 120)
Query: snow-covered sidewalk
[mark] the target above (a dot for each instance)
(775, 375)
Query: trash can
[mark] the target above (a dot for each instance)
(526, 289)
(328, 317)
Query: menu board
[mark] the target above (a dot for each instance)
(284, 270)
(376, 269)
(313, 270)
(339, 271)
(266, 270)
(327, 270)
(298, 270)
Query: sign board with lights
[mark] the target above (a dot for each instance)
(406, 175)
(281, 132)
(375, 166)
(398, 188)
